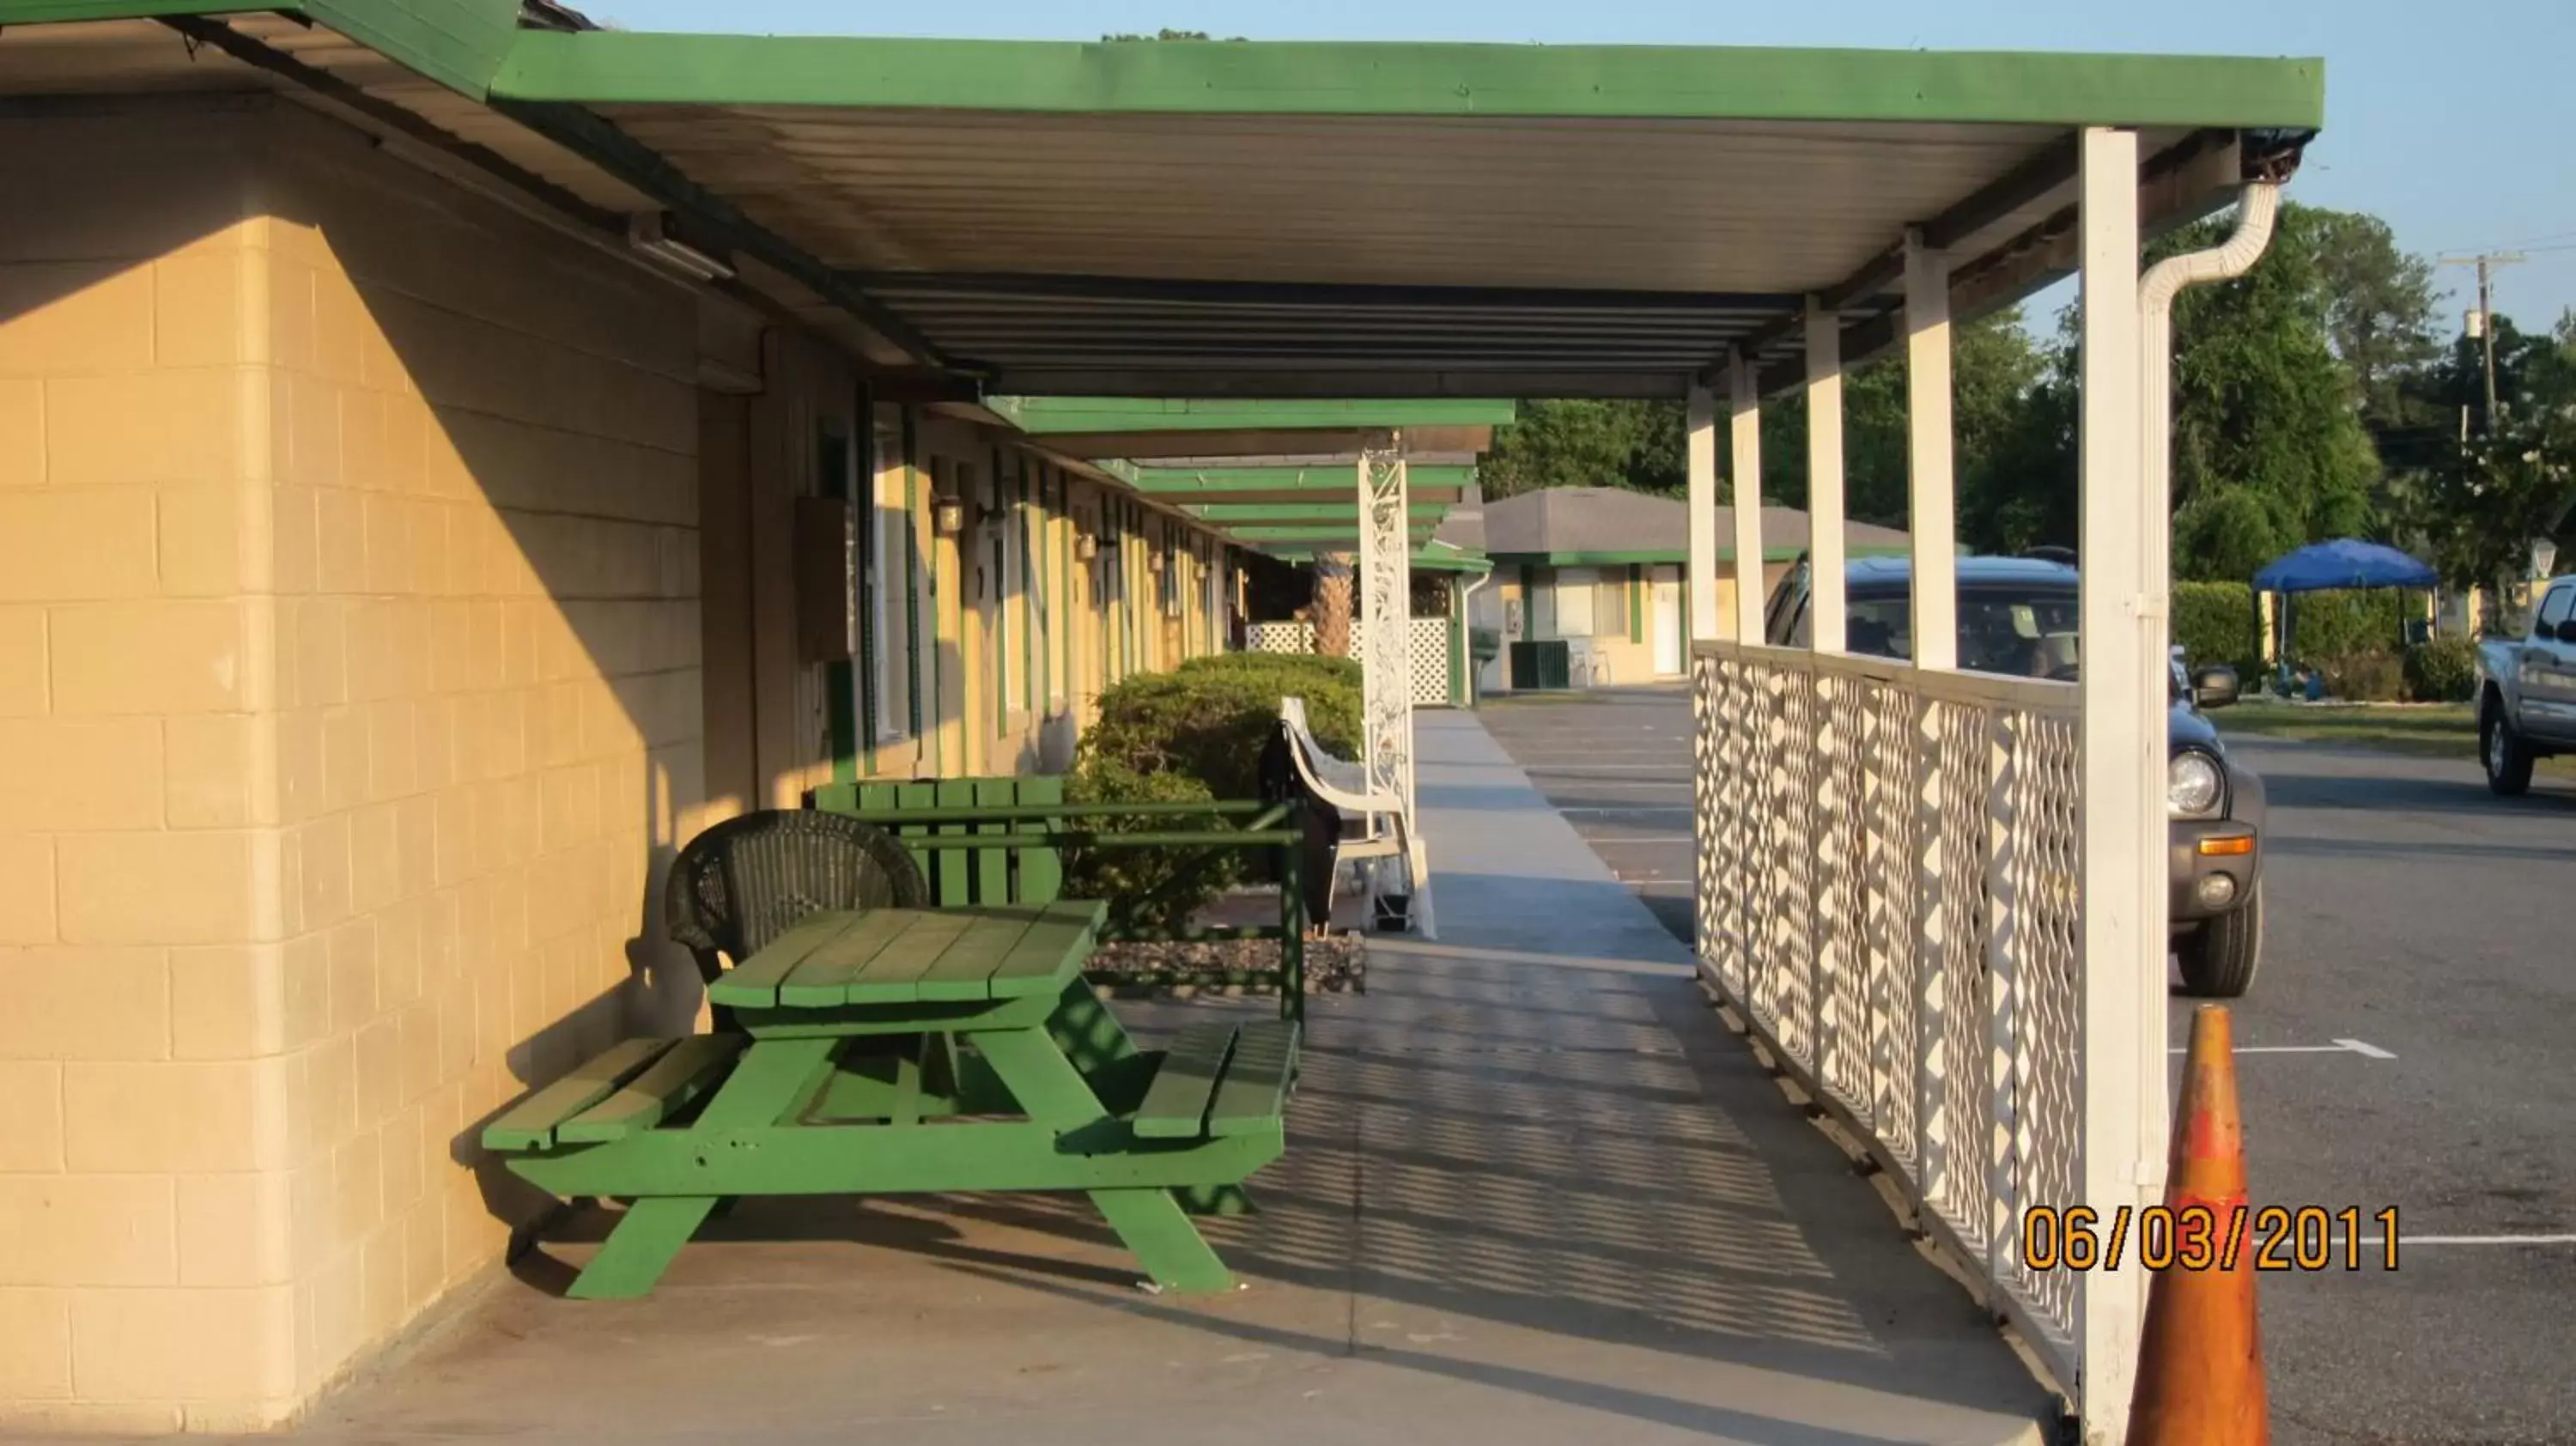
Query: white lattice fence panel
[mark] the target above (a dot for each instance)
(1430, 660)
(1289, 637)
(1887, 890)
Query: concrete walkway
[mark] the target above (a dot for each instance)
(1534, 1194)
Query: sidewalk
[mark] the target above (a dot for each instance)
(1534, 1194)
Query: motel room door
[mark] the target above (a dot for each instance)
(1668, 620)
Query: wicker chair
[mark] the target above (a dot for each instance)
(748, 880)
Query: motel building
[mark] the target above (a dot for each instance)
(451, 454)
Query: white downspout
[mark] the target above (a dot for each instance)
(1467, 631)
(2232, 258)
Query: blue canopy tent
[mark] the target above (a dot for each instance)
(2346, 562)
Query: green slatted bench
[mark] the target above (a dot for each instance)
(1220, 1080)
(965, 877)
(893, 1051)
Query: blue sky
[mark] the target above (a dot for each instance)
(2449, 121)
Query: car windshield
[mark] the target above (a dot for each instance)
(2028, 634)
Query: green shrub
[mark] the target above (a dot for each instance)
(2444, 670)
(2215, 622)
(2340, 623)
(1209, 719)
(1155, 887)
(2369, 676)
(1189, 736)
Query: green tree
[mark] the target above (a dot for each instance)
(2484, 495)
(2379, 309)
(1587, 444)
(2269, 452)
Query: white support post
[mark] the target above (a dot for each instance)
(1386, 624)
(1827, 629)
(1701, 436)
(1927, 455)
(2122, 892)
(1744, 467)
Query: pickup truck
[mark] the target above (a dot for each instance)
(2017, 616)
(2527, 692)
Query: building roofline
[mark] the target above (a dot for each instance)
(1413, 79)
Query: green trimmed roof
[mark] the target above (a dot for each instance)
(1415, 79)
(1047, 416)
(1254, 220)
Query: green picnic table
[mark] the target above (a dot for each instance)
(904, 1051)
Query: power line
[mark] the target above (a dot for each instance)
(2486, 262)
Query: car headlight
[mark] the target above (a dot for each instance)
(2194, 786)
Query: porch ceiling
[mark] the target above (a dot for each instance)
(1202, 219)
(1221, 219)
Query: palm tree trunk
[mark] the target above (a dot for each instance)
(1333, 604)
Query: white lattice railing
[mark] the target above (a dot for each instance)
(1430, 650)
(1887, 886)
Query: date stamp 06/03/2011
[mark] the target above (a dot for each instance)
(2204, 1237)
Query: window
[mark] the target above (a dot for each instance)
(2556, 608)
(1574, 591)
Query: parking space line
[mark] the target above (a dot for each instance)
(2340, 1046)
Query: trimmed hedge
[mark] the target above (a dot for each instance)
(2372, 675)
(2444, 670)
(2215, 622)
(1191, 735)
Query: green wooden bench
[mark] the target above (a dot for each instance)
(913, 1050)
(960, 877)
(944, 824)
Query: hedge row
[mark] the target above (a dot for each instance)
(2215, 622)
(1192, 735)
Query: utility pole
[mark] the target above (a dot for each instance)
(2487, 262)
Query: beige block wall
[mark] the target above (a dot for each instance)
(349, 698)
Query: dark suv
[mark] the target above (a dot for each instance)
(2018, 616)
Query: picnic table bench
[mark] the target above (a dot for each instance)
(900, 1050)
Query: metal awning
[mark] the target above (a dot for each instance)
(1187, 432)
(1226, 219)
(1214, 219)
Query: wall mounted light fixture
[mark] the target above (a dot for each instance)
(948, 515)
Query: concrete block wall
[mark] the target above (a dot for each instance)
(349, 701)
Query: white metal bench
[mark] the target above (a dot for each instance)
(1337, 783)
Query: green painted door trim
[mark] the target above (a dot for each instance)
(871, 521)
(835, 455)
(1395, 80)
(1636, 602)
(1031, 586)
(915, 504)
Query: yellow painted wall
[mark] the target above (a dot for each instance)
(349, 699)
(378, 590)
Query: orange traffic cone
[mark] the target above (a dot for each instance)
(2200, 1356)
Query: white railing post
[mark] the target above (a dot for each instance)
(1702, 448)
(2121, 899)
(1744, 468)
(1927, 455)
(1825, 478)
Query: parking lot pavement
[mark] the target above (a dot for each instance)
(2408, 1043)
